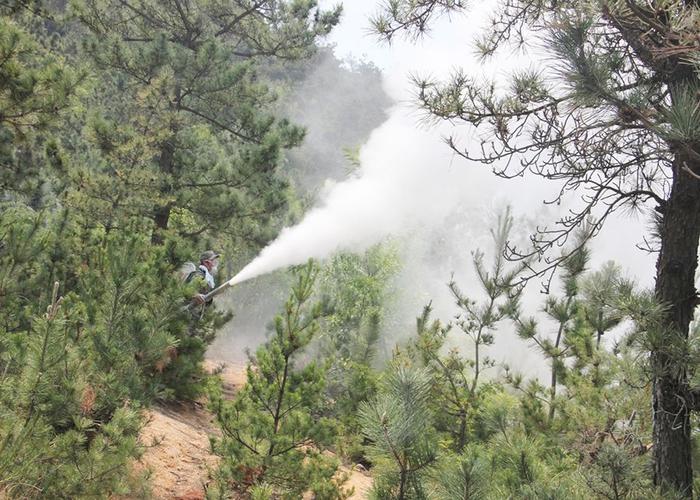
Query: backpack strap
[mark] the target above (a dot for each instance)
(194, 273)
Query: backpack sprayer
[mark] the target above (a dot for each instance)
(188, 270)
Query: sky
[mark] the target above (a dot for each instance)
(447, 45)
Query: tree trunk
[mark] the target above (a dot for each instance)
(462, 438)
(402, 485)
(161, 213)
(161, 217)
(675, 287)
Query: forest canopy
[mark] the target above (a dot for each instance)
(135, 134)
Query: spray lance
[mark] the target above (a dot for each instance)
(291, 247)
(188, 268)
(207, 296)
(219, 289)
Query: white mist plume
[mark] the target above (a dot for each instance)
(402, 184)
(408, 177)
(408, 184)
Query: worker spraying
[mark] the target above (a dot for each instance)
(206, 270)
(208, 264)
(206, 298)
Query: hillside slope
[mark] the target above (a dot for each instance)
(179, 457)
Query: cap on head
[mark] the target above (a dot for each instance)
(208, 255)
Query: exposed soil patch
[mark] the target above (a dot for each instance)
(179, 457)
(361, 482)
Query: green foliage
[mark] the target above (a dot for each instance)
(35, 84)
(456, 378)
(483, 439)
(36, 88)
(612, 118)
(72, 379)
(398, 424)
(183, 122)
(615, 473)
(601, 292)
(465, 477)
(570, 334)
(127, 133)
(272, 429)
(55, 438)
(355, 292)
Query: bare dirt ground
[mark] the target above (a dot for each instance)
(179, 457)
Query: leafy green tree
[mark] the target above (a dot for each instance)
(355, 291)
(588, 308)
(616, 120)
(599, 431)
(615, 474)
(272, 430)
(602, 394)
(178, 129)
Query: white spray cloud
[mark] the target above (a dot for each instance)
(408, 177)
(380, 199)
(411, 184)
(404, 182)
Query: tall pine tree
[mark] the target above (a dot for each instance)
(616, 119)
(184, 122)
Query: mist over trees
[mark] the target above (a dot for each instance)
(339, 103)
(136, 133)
(615, 119)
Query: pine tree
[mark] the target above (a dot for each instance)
(88, 151)
(556, 348)
(600, 292)
(72, 380)
(398, 424)
(615, 474)
(456, 378)
(272, 430)
(354, 291)
(183, 121)
(616, 120)
(465, 477)
(52, 443)
(36, 87)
